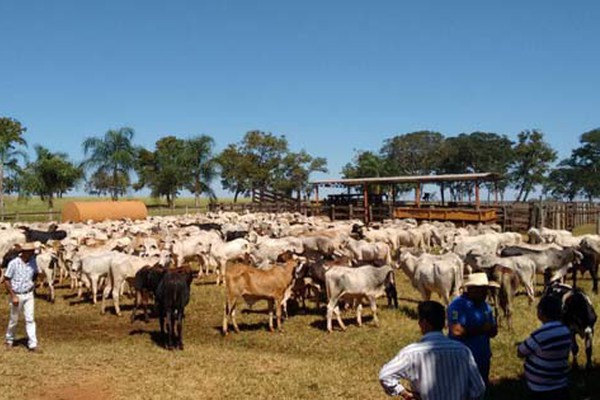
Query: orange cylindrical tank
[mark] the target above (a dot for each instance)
(77, 211)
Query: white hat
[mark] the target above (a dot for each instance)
(479, 279)
(25, 246)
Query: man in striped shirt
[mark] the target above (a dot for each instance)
(546, 353)
(438, 368)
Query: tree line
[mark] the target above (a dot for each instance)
(527, 164)
(262, 160)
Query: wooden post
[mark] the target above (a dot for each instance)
(442, 192)
(418, 195)
(476, 194)
(495, 193)
(366, 202)
(317, 194)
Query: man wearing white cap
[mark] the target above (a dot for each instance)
(20, 282)
(471, 320)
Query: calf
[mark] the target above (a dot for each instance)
(145, 283)
(172, 295)
(367, 282)
(243, 281)
(578, 315)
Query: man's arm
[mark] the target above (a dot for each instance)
(527, 347)
(13, 297)
(390, 374)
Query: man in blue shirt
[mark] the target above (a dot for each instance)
(471, 321)
(20, 282)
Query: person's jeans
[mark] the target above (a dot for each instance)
(26, 304)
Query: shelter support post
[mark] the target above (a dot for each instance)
(477, 195)
(366, 202)
(418, 195)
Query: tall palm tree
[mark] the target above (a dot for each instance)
(199, 160)
(114, 156)
(11, 132)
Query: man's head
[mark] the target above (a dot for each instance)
(476, 286)
(26, 250)
(432, 316)
(549, 309)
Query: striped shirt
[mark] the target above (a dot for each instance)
(547, 357)
(438, 368)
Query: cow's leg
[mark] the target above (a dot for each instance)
(271, 307)
(574, 350)
(338, 315)
(116, 291)
(278, 306)
(105, 293)
(594, 274)
(225, 317)
(180, 329)
(232, 312)
(359, 314)
(588, 348)
(330, 306)
(373, 303)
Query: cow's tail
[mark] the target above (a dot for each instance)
(390, 289)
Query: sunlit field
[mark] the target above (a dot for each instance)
(91, 356)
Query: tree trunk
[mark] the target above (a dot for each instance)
(1, 185)
(197, 193)
(235, 196)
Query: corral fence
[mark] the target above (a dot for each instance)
(512, 216)
(520, 216)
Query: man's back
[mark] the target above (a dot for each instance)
(439, 369)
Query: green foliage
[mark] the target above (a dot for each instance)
(578, 174)
(111, 158)
(11, 142)
(198, 158)
(415, 153)
(533, 157)
(262, 160)
(165, 170)
(50, 175)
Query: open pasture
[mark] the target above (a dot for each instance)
(93, 356)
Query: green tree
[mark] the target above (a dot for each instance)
(415, 153)
(532, 162)
(11, 139)
(253, 163)
(295, 170)
(50, 175)
(199, 159)
(164, 171)
(112, 156)
(578, 174)
(476, 152)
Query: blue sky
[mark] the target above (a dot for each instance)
(332, 76)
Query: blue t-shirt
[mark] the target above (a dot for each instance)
(470, 315)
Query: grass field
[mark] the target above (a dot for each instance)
(92, 356)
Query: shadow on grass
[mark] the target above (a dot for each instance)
(155, 336)
(409, 312)
(583, 386)
(321, 324)
(246, 327)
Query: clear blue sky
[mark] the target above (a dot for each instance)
(332, 76)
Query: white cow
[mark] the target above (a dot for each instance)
(428, 273)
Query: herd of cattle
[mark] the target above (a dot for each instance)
(276, 257)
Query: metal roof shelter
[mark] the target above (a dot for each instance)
(417, 179)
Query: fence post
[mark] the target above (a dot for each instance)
(350, 212)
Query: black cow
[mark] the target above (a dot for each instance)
(172, 295)
(578, 315)
(589, 263)
(146, 283)
(232, 235)
(33, 235)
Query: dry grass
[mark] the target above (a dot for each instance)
(93, 356)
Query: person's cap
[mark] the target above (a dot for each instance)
(479, 279)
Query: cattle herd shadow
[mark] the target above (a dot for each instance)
(154, 335)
